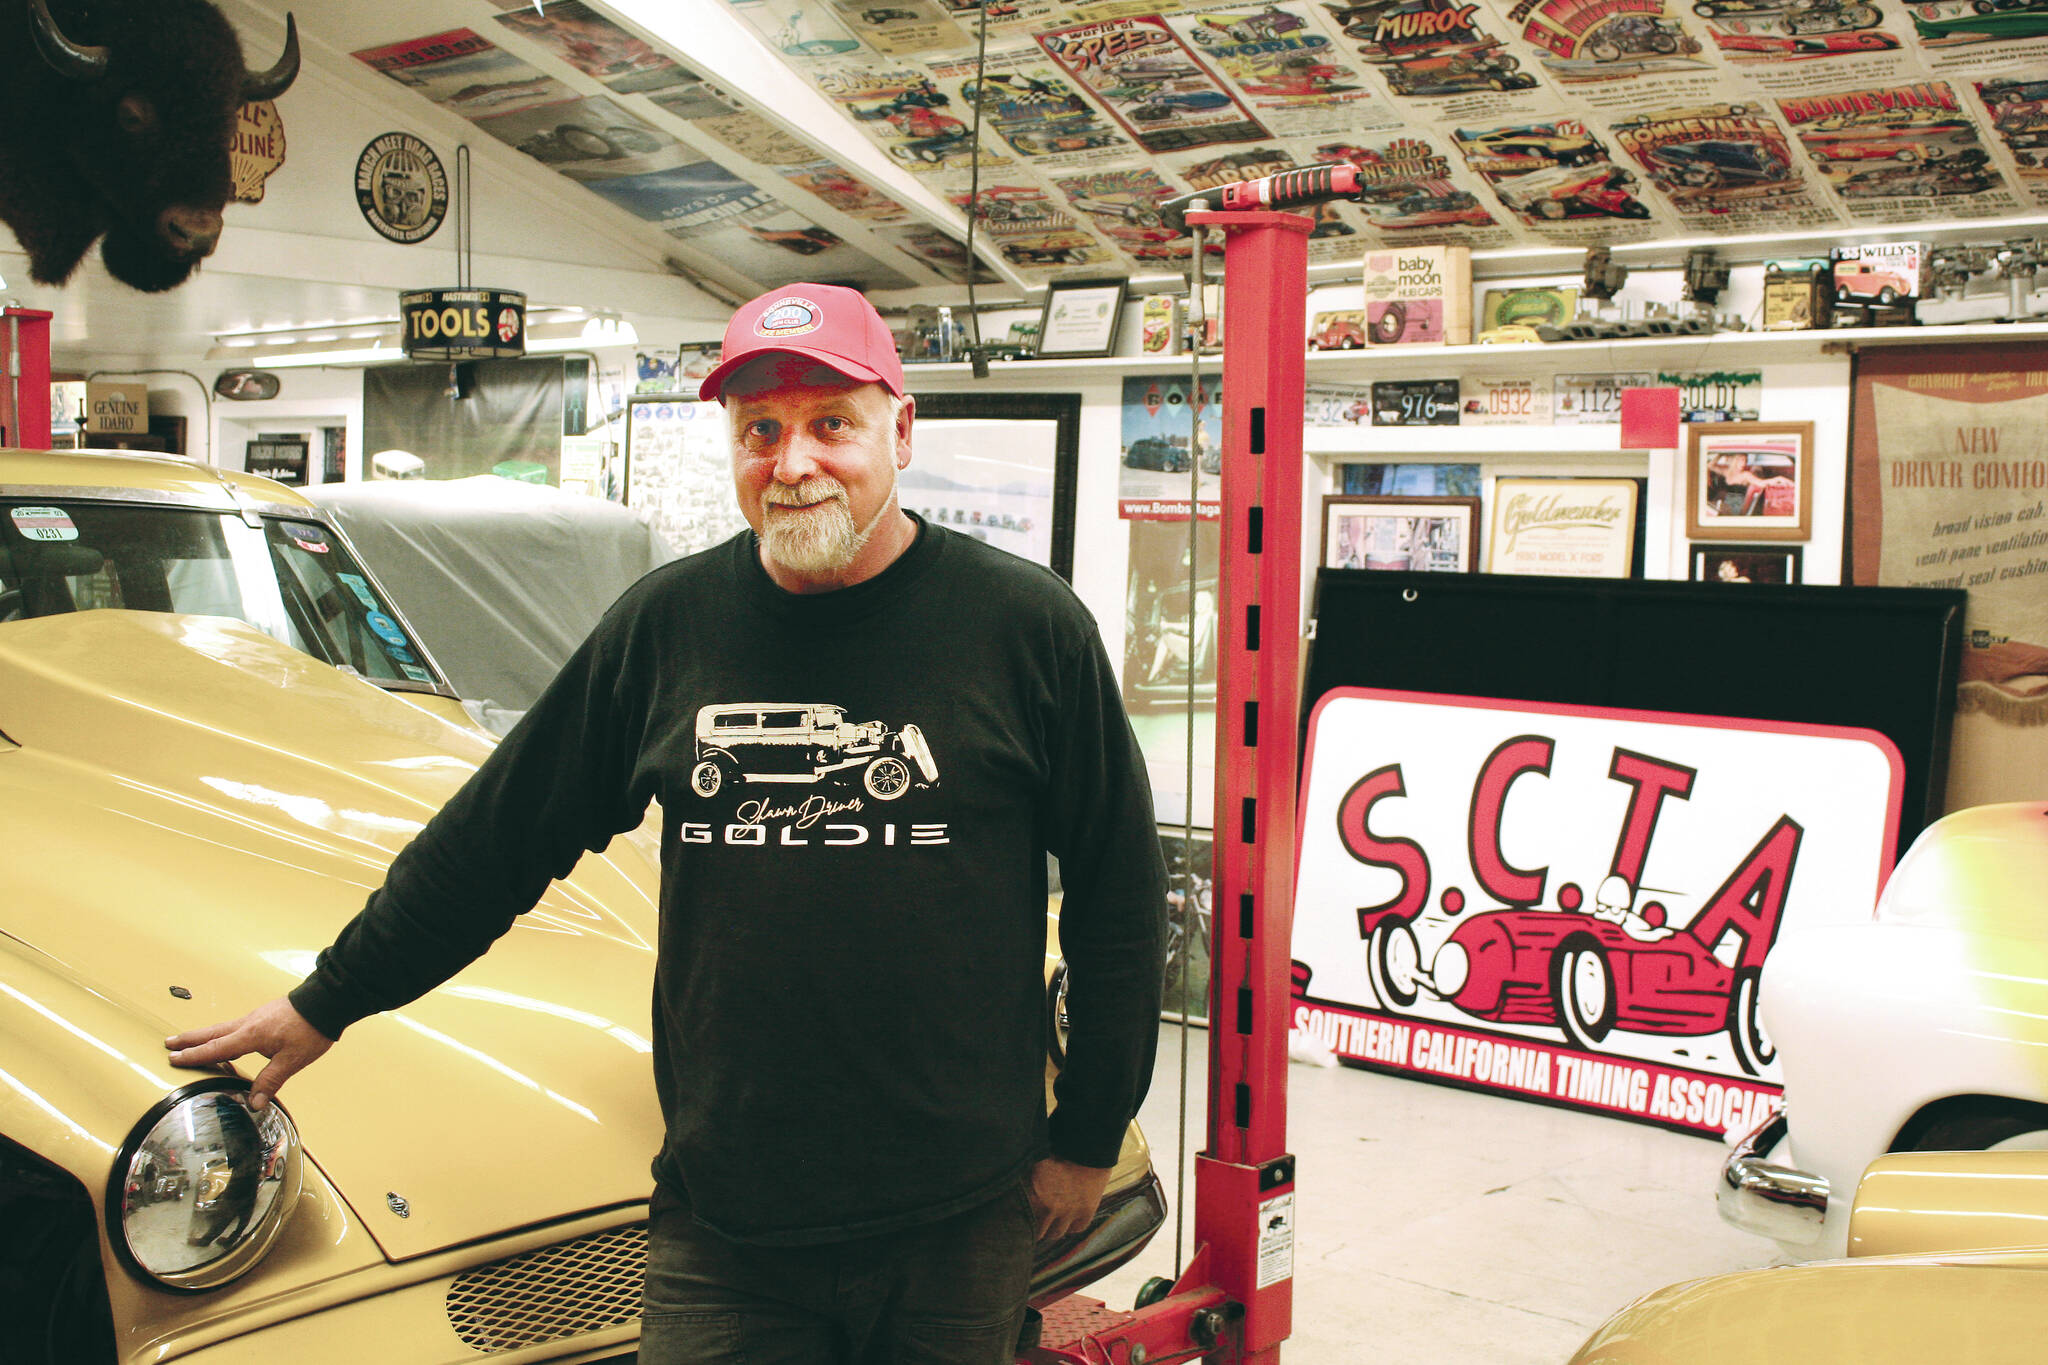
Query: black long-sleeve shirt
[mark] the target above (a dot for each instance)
(858, 789)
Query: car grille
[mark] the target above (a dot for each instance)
(552, 1292)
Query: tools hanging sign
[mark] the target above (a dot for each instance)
(1571, 904)
(463, 324)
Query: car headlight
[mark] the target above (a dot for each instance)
(202, 1187)
(1056, 1015)
(1451, 970)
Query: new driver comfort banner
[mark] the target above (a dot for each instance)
(1570, 904)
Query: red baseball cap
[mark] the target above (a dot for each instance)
(829, 323)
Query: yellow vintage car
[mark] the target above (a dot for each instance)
(1947, 1255)
(215, 733)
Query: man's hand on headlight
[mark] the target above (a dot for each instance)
(276, 1030)
(1065, 1196)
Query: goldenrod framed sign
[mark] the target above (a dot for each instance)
(1431, 534)
(1749, 481)
(1575, 528)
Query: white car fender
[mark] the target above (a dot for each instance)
(1875, 1021)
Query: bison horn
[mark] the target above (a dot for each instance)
(74, 61)
(279, 78)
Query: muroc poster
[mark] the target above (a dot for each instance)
(1570, 904)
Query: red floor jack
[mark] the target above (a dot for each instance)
(1235, 1301)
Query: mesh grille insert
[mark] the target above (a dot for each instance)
(551, 1292)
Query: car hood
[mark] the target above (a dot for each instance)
(190, 806)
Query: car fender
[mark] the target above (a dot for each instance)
(78, 1070)
(77, 1067)
(1875, 1021)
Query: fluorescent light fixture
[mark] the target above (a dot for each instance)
(321, 344)
(297, 359)
(588, 335)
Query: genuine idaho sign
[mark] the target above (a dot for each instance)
(1570, 904)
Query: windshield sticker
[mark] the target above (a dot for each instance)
(417, 674)
(355, 584)
(44, 523)
(385, 628)
(308, 538)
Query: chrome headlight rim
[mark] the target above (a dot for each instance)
(1056, 1022)
(256, 1239)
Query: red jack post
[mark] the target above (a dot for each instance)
(1235, 1301)
(25, 378)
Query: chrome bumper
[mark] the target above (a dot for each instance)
(1778, 1202)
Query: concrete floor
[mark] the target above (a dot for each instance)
(1439, 1226)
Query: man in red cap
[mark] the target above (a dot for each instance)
(849, 1011)
(813, 390)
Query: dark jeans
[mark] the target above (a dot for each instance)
(950, 1293)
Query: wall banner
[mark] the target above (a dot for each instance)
(1573, 904)
(1949, 486)
(1168, 425)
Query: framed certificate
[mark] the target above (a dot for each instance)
(1576, 528)
(1080, 318)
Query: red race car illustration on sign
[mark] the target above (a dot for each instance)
(1574, 903)
(1587, 970)
(1586, 973)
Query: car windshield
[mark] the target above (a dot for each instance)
(291, 579)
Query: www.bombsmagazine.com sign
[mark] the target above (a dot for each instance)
(463, 324)
(1572, 904)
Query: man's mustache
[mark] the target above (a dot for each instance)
(809, 491)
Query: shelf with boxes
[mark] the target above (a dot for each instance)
(1732, 347)
(1336, 366)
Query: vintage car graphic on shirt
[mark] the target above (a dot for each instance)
(743, 742)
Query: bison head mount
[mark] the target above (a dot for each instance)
(116, 118)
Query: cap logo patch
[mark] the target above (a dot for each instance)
(788, 317)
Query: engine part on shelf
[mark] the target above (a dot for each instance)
(1949, 268)
(1657, 320)
(2017, 262)
(1705, 278)
(1604, 275)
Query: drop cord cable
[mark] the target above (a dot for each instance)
(1187, 836)
(977, 358)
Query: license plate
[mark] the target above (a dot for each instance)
(1332, 406)
(1415, 403)
(1720, 396)
(1505, 402)
(1594, 397)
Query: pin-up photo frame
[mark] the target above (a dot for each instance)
(1749, 481)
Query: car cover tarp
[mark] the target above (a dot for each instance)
(502, 579)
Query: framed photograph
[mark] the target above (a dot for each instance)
(1773, 564)
(1749, 481)
(282, 458)
(1188, 920)
(1429, 534)
(1002, 468)
(1080, 318)
(1573, 528)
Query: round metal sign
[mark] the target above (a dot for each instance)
(401, 187)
